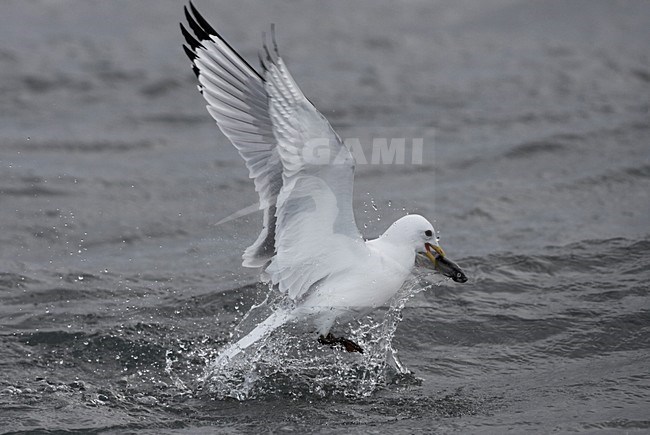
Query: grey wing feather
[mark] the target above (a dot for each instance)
(307, 201)
(238, 102)
(316, 231)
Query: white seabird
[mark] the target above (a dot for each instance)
(310, 248)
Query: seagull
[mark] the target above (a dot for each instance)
(309, 249)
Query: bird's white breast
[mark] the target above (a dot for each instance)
(373, 281)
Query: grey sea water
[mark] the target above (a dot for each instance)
(117, 286)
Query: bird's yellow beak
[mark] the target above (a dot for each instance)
(443, 264)
(429, 247)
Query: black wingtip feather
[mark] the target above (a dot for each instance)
(202, 21)
(189, 53)
(191, 40)
(192, 56)
(198, 30)
(204, 31)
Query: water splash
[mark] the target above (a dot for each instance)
(291, 363)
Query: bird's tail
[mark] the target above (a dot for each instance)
(273, 322)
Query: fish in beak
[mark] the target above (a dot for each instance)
(440, 263)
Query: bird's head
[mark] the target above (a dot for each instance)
(419, 233)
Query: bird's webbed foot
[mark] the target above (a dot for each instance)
(331, 340)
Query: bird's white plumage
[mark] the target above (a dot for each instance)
(310, 247)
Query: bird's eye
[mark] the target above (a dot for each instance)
(428, 233)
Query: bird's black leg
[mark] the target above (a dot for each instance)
(328, 340)
(349, 345)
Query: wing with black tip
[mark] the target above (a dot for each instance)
(303, 172)
(238, 101)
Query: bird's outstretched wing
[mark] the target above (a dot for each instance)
(302, 171)
(238, 101)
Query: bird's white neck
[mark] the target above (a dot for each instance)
(400, 254)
